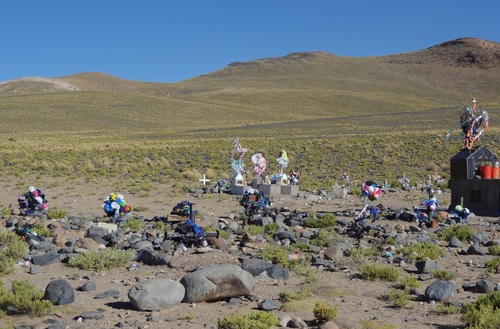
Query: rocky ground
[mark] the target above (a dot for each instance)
(338, 282)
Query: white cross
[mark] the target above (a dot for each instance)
(204, 180)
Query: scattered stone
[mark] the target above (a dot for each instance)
(484, 286)
(217, 283)
(88, 286)
(59, 292)
(427, 266)
(455, 243)
(108, 294)
(268, 305)
(475, 249)
(92, 315)
(156, 294)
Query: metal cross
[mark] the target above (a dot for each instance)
(204, 180)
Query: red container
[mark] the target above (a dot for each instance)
(486, 172)
(495, 172)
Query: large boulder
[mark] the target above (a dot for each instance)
(59, 292)
(440, 290)
(217, 282)
(156, 294)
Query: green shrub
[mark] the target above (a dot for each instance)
(494, 250)
(360, 253)
(421, 251)
(372, 272)
(161, 226)
(390, 240)
(326, 220)
(323, 237)
(287, 296)
(399, 298)
(253, 320)
(442, 275)
(461, 232)
(282, 256)
(484, 313)
(377, 324)
(140, 209)
(270, 229)
(56, 214)
(133, 224)
(324, 312)
(408, 282)
(491, 265)
(447, 309)
(12, 249)
(104, 259)
(254, 230)
(41, 229)
(23, 298)
(275, 254)
(5, 212)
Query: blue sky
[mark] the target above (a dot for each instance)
(170, 41)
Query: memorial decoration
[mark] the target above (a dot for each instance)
(115, 205)
(32, 202)
(473, 122)
(237, 157)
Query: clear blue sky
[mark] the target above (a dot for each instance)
(170, 41)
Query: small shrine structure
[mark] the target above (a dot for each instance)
(474, 181)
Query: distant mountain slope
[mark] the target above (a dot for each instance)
(316, 87)
(463, 52)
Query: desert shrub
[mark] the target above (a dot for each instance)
(390, 240)
(446, 309)
(222, 234)
(309, 273)
(276, 255)
(56, 214)
(421, 251)
(41, 229)
(360, 253)
(104, 259)
(5, 212)
(281, 256)
(373, 271)
(253, 320)
(399, 298)
(140, 209)
(254, 230)
(12, 249)
(287, 296)
(377, 324)
(161, 226)
(461, 232)
(23, 298)
(133, 224)
(491, 265)
(484, 313)
(443, 275)
(326, 220)
(324, 312)
(408, 282)
(299, 246)
(270, 229)
(323, 237)
(494, 250)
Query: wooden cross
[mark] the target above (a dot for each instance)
(204, 180)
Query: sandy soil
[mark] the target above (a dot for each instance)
(357, 300)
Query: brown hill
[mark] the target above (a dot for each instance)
(315, 87)
(463, 52)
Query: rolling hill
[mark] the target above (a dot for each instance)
(298, 92)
